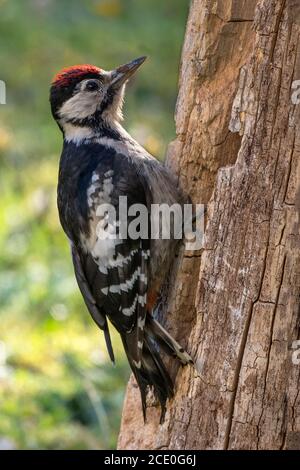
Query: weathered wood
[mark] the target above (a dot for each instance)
(236, 307)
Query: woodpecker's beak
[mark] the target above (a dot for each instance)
(120, 75)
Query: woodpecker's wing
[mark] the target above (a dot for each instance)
(98, 316)
(115, 268)
(123, 292)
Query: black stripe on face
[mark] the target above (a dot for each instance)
(108, 100)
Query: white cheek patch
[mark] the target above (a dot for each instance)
(80, 106)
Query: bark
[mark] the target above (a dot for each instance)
(235, 305)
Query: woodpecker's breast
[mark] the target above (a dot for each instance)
(77, 165)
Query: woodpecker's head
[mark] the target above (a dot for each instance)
(83, 96)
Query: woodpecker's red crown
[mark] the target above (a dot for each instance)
(67, 74)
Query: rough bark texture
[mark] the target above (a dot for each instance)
(235, 305)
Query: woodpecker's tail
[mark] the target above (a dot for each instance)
(151, 371)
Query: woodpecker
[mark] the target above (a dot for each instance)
(119, 278)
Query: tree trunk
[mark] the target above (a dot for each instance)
(235, 305)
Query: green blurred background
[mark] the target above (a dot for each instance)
(57, 388)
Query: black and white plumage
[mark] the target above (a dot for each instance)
(119, 278)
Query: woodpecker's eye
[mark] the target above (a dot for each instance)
(92, 85)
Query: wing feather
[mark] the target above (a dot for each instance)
(98, 316)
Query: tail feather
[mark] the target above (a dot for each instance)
(160, 379)
(151, 372)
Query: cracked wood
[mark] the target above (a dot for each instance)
(235, 307)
